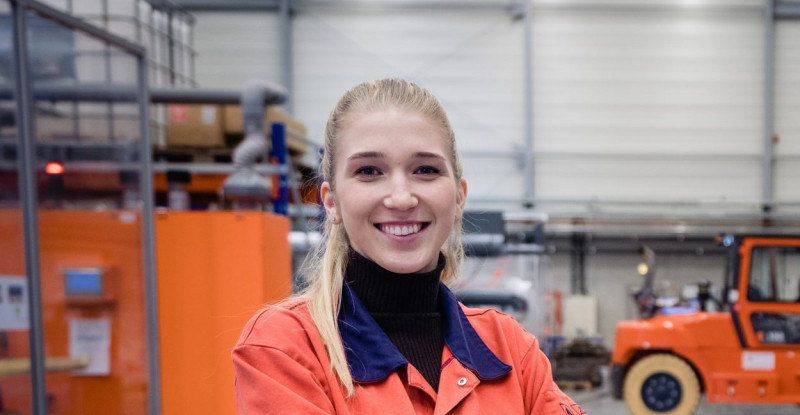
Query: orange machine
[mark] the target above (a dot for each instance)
(82, 245)
(214, 270)
(749, 352)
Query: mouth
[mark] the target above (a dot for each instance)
(403, 229)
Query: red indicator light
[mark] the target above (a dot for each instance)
(54, 168)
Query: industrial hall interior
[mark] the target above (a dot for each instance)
(629, 193)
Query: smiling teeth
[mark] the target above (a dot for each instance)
(401, 230)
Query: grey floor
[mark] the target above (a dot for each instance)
(599, 402)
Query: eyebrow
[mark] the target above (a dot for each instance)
(379, 155)
(366, 155)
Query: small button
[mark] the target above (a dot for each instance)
(462, 381)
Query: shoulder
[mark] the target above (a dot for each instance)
(499, 330)
(280, 324)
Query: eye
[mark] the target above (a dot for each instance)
(367, 171)
(427, 170)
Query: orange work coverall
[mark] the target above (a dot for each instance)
(490, 365)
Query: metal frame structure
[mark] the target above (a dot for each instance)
(25, 96)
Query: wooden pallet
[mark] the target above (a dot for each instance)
(575, 384)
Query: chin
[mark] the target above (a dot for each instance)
(400, 266)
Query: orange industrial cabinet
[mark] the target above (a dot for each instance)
(214, 270)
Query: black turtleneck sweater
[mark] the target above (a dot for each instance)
(405, 307)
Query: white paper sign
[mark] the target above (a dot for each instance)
(91, 339)
(14, 303)
(758, 360)
(208, 114)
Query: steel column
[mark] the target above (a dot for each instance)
(26, 160)
(148, 236)
(287, 62)
(528, 173)
(769, 104)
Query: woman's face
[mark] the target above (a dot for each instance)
(395, 194)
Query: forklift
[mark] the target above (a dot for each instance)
(746, 352)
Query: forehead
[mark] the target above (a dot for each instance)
(390, 131)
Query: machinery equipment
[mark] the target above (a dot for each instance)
(748, 352)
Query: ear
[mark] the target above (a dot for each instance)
(461, 196)
(328, 200)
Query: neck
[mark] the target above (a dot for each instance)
(383, 291)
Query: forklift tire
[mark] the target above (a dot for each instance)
(661, 384)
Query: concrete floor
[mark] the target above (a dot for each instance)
(599, 402)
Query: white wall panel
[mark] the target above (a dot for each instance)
(490, 180)
(648, 179)
(631, 87)
(787, 177)
(472, 60)
(235, 47)
(787, 110)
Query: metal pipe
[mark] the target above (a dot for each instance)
(252, 100)
(769, 104)
(671, 203)
(528, 172)
(148, 236)
(157, 167)
(192, 56)
(117, 93)
(787, 10)
(245, 181)
(170, 47)
(560, 155)
(230, 5)
(84, 92)
(26, 159)
(578, 264)
(273, 95)
(279, 153)
(107, 61)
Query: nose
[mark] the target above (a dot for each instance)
(401, 195)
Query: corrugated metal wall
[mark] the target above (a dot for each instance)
(637, 106)
(236, 47)
(787, 110)
(471, 59)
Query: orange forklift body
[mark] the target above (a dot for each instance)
(733, 360)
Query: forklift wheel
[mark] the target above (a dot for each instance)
(661, 384)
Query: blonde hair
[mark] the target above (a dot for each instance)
(324, 267)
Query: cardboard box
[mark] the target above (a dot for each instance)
(195, 125)
(234, 125)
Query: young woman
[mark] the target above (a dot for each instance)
(378, 331)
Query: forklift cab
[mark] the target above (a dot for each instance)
(768, 284)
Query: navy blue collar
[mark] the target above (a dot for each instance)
(371, 356)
